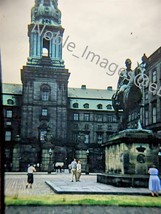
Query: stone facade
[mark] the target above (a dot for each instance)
(131, 152)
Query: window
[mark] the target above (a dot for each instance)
(8, 123)
(75, 126)
(10, 102)
(154, 76)
(86, 138)
(109, 127)
(75, 105)
(86, 117)
(146, 117)
(99, 117)
(44, 112)
(42, 135)
(109, 106)
(114, 118)
(86, 105)
(75, 117)
(45, 92)
(146, 96)
(99, 127)
(8, 136)
(99, 138)
(109, 118)
(45, 95)
(9, 113)
(86, 126)
(154, 114)
(99, 106)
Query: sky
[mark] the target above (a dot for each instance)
(112, 29)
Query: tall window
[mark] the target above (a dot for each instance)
(109, 118)
(8, 136)
(146, 117)
(44, 112)
(154, 114)
(109, 127)
(9, 113)
(99, 138)
(76, 116)
(86, 117)
(45, 92)
(146, 96)
(42, 135)
(154, 76)
(86, 138)
(99, 127)
(99, 117)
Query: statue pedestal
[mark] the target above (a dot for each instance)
(128, 153)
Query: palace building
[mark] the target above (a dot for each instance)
(46, 122)
(43, 114)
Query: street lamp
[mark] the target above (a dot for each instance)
(50, 162)
(87, 166)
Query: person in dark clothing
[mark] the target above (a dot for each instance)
(30, 177)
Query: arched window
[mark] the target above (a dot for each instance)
(45, 92)
(109, 106)
(86, 105)
(99, 106)
(10, 102)
(75, 105)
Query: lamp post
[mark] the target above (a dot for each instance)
(87, 166)
(50, 162)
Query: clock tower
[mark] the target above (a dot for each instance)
(45, 84)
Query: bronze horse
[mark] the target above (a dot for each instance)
(129, 99)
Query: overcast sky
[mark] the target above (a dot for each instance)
(113, 29)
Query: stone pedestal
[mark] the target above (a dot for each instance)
(130, 152)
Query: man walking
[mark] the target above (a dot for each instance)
(74, 169)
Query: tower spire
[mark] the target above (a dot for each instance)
(46, 12)
(45, 33)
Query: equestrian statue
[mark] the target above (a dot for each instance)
(129, 94)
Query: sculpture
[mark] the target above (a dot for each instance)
(128, 95)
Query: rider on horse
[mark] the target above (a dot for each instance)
(125, 78)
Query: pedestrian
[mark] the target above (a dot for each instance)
(30, 177)
(74, 169)
(154, 181)
(78, 170)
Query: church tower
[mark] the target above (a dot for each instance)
(45, 85)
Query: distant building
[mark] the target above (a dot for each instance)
(90, 120)
(152, 94)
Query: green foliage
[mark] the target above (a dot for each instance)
(109, 200)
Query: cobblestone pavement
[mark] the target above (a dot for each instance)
(15, 184)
